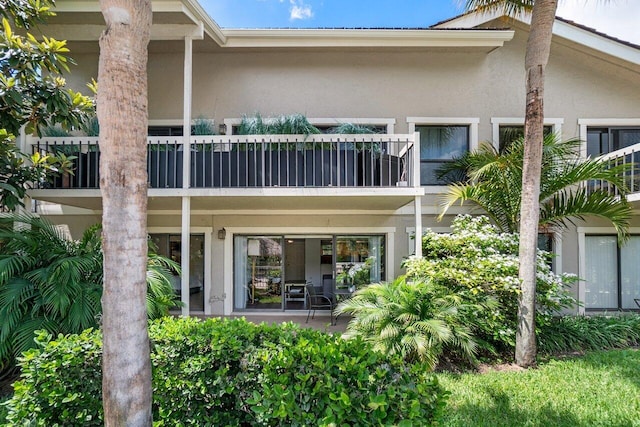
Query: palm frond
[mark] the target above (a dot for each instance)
(581, 203)
(511, 8)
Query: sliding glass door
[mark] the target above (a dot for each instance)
(272, 272)
(359, 260)
(258, 272)
(170, 246)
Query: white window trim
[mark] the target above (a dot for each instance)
(207, 231)
(168, 122)
(387, 122)
(388, 232)
(496, 122)
(584, 124)
(582, 262)
(472, 122)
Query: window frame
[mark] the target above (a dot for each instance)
(387, 123)
(583, 232)
(496, 122)
(584, 124)
(471, 122)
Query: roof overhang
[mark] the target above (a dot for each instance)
(561, 28)
(81, 20)
(283, 38)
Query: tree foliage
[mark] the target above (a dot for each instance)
(33, 94)
(495, 184)
(50, 282)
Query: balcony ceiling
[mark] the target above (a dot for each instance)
(321, 199)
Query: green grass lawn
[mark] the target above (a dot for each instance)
(599, 389)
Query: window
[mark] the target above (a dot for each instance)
(611, 273)
(327, 125)
(602, 140)
(164, 131)
(509, 133)
(439, 145)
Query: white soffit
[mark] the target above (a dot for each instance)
(562, 29)
(237, 38)
(256, 38)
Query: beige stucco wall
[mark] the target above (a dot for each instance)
(368, 83)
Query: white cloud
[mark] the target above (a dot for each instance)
(617, 18)
(300, 10)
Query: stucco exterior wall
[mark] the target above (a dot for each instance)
(369, 83)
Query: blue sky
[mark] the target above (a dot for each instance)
(330, 13)
(615, 17)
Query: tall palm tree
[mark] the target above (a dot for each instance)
(495, 184)
(50, 282)
(543, 14)
(122, 109)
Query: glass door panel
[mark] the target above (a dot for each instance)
(359, 261)
(630, 273)
(170, 246)
(601, 275)
(258, 272)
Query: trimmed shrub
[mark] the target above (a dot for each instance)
(232, 373)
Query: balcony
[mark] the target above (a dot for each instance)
(625, 156)
(382, 165)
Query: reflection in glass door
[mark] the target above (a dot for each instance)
(170, 246)
(359, 261)
(258, 272)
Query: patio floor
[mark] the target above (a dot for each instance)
(321, 321)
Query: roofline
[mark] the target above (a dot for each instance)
(562, 28)
(239, 38)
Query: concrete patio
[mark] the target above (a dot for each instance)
(320, 322)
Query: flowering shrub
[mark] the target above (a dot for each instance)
(481, 264)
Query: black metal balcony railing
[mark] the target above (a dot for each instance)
(254, 161)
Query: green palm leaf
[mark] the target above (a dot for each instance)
(495, 179)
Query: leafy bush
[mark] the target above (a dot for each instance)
(579, 333)
(480, 264)
(50, 282)
(417, 320)
(231, 372)
(293, 124)
(203, 126)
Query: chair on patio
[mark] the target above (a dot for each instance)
(317, 302)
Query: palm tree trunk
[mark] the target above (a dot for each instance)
(537, 56)
(122, 113)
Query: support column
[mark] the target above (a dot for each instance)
(185, 256)
(186, 112)
(418, 212)
(186, 175)
(417, 202)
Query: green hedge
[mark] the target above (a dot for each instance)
(232, 373)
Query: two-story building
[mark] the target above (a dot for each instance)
(254, 217)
